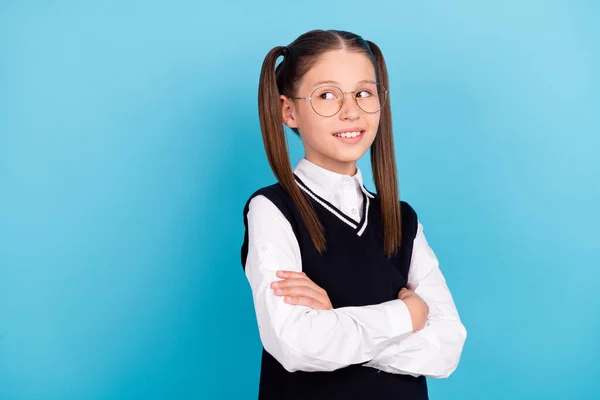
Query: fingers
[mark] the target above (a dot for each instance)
(290, 274)
(308, 302)
(293, 282)
(404, 293)
(298, 289)
(305, 291)
(296, 279)
(417, 307)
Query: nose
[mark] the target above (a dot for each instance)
(349, 109)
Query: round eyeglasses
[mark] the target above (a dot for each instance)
(328, 100)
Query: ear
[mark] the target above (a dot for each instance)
(288, 112)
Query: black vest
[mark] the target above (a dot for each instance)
(354, 271)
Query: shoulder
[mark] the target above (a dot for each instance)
(407, 210)
(267, 223)
(267, 201)
(410, 219)
(272, 193)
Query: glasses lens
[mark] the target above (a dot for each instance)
(327, 100)
(371, 97)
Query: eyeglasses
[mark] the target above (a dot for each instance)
(328, 100)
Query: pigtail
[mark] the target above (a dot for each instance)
(383, 163)
(271, 125)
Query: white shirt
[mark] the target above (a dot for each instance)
(304, 339)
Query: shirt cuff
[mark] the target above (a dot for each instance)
(399, 317)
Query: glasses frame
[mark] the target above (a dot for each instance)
(385, 91)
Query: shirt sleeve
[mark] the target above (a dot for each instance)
(435, 350)
(301, 338)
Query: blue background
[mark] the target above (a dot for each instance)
(129, 142)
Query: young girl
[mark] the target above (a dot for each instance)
(349, 297)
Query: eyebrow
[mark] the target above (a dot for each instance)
(337, 83)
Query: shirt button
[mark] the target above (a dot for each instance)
(354, 211)
(263, 247)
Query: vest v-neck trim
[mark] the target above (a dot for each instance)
(358, 227)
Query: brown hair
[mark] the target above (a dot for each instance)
(299, 57)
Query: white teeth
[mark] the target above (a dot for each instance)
(348, 134)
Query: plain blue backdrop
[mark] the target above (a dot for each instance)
(129, 143)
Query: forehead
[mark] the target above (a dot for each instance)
(345, 67)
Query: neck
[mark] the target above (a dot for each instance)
(339, 167)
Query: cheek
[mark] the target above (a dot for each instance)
(374, 120)
(305, 117)
(313, 124)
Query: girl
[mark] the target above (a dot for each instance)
(349, 297)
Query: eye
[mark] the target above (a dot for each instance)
(364, 93)
(327, 96)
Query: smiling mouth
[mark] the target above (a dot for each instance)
(348, 135)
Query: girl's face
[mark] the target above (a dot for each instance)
(350, 71)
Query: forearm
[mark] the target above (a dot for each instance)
(299, 337)
(435, 350)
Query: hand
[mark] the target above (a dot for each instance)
(298, 289)
(419, 310)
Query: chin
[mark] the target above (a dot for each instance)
(349, 156)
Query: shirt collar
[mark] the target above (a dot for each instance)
(324, 182)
